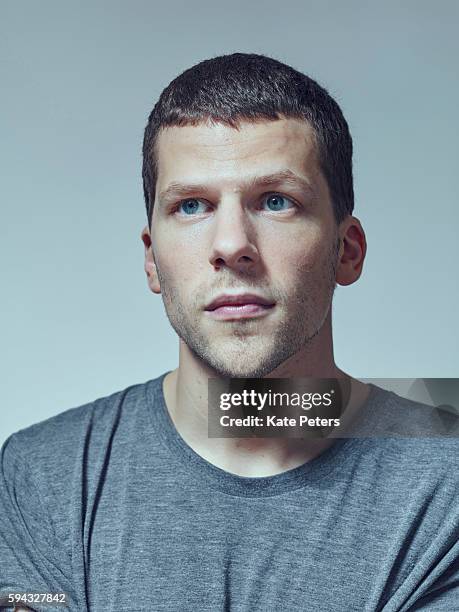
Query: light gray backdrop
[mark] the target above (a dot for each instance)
(78, 81)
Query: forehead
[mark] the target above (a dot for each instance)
(219, 152)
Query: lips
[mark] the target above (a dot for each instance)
(238, 300)
(232, 312)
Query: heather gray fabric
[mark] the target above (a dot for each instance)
(109, 504)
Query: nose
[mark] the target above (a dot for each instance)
(233, 236)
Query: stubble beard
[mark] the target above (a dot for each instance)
(243, 352)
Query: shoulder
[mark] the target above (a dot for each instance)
(59, 441)
(413, 436)
(50, 471)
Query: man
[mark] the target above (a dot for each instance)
(126, 503)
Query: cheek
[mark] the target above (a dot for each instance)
(302, 271)
(180, 272)
(296, 254)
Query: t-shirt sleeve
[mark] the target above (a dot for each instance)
(32, 559)
(441, 590)
(444, 595)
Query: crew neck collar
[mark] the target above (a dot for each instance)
(330, 460)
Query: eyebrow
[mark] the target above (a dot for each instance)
(177, 189)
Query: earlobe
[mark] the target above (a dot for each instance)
(352, 252)
(150, 265)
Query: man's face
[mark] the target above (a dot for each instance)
(231, 233)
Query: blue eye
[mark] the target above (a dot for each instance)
(189, 206)
(276, 202)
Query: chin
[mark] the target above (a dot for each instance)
(255, 369)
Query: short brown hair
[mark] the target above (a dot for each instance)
(245, 86)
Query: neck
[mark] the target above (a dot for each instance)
(186, 391)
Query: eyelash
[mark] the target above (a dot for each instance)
(176, 206)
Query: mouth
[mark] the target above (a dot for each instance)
(239, 311)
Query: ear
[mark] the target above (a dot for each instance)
(150, 266)
(352, 251)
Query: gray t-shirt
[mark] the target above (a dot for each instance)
(108, 503)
